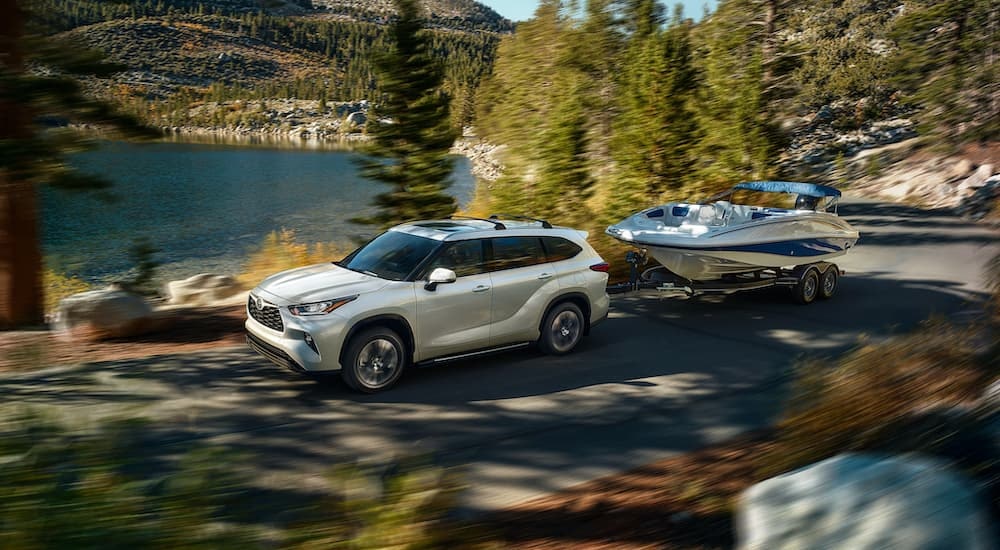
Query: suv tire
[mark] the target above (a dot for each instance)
(562, 329)
(374, 360)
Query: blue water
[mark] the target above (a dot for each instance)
(205, 207)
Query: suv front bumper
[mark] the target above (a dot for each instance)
(289, 349)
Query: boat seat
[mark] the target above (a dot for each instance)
(706, 215)
(723, 211)
(759, 215)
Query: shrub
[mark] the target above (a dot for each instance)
(67, 488)
(103, 486)
(993, 280)
(891, 397)
(398, 507)
(142, 255)
(57, 286)
(280, 251)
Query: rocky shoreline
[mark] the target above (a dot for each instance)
(882, 158)
(310, 124)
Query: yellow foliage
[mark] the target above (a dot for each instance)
(56, 286)
(280, 251)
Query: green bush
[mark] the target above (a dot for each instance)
(105, 486)
(78, 489)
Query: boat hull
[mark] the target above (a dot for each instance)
(703, 264)
(752, 240)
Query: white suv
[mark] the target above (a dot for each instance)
(431, 291)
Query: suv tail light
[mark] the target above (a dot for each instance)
(603, 267)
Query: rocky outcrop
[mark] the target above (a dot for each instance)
(279, 119)
(201, 289)
(485, 156)
(108, 313)
(904, 173)
(819, 138)
(862, 501)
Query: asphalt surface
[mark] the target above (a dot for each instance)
(661, 376)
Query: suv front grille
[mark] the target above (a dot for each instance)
(266, 315)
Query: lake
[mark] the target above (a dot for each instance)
(205, 207)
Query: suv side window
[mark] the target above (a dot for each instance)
(514, 252)
(463, 257)
(558, 248)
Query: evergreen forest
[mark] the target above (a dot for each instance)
(602, 106)
(611, 107)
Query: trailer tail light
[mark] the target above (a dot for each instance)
(603, 267)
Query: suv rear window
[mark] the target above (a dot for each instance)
(514, 252)
(558, 248)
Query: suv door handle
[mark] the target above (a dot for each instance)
(545, 276)
(481, 288)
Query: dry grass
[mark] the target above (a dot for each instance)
(280, 251)
(893, 397)
(57, 286)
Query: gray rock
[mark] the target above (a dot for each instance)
(824, 114)
(961, 168)
(856, 501)
(978, 178)
(107, 313)
(357, 118)
(202, 289)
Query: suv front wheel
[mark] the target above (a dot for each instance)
(562, 329)
(374, 360)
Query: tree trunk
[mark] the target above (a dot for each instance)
(20, 257)
(767, 47)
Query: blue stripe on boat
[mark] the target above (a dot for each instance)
(797, 248)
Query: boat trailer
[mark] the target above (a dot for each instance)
(807, 282)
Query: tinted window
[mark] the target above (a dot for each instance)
(559, 249)
(462, 257)
(392, 255)
(512, 252)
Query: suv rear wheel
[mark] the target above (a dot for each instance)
(374, 360)
(562, 329)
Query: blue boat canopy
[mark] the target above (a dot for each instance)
(798, 188)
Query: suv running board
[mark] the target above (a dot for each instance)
(478, 353)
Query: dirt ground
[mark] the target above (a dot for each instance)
(683, 502)
(191, 329)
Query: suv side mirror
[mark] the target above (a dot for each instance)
(439, 276)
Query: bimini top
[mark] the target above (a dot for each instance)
(798, 188)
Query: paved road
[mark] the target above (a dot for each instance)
(661, 376)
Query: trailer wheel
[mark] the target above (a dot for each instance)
(828, 282)
(808, 287)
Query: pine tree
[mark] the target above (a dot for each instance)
(656, 134)
(411, 149)
(30, 156)
(739, 140)
(946, 63)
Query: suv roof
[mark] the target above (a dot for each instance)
(467, 228)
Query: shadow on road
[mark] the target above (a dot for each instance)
(659, 376)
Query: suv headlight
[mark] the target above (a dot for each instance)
(319, 308)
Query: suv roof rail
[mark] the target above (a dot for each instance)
(496, 223)
(545, 224)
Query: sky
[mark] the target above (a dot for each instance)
(519, 10)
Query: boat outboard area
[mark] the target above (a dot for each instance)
(719, 237)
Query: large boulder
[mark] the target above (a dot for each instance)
(202, 289)
(108, 313)
(857, 501)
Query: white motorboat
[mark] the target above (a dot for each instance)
(715, 238)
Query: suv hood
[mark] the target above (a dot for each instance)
(315, 283)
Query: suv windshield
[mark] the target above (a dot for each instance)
(392, 255)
